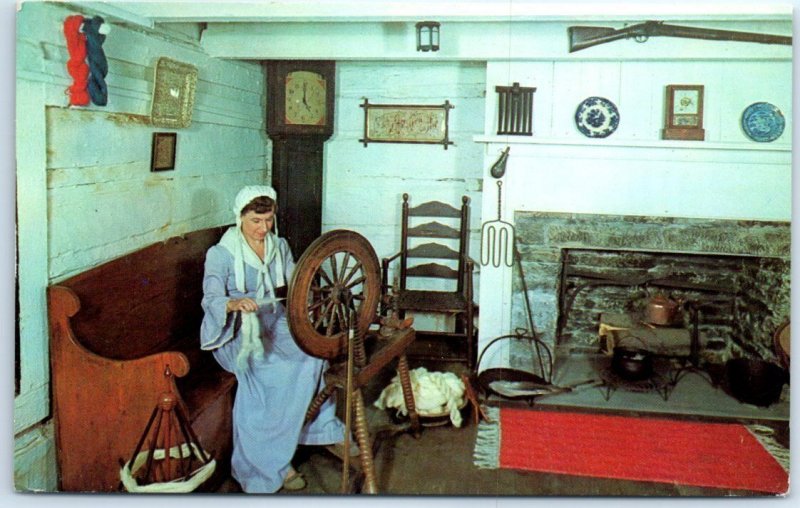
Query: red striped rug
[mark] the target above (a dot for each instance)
(720, 455)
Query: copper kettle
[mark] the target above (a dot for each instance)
(664, 311)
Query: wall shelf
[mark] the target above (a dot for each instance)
(628, 143)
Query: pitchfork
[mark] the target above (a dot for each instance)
(497, 238)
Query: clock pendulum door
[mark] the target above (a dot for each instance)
(297, 178)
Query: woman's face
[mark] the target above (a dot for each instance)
(255, 226)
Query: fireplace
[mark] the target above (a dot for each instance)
(579, 267)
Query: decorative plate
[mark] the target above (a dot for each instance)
(597, 117)
(763, 122)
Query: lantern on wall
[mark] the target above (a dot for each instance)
(428, 36)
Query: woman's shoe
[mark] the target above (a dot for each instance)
(294, 481)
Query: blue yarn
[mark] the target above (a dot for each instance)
(98, 65)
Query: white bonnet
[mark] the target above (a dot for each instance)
(248, 194)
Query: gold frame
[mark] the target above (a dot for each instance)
(400, 123)
(174, 87)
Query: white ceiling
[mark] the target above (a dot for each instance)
(146, 13)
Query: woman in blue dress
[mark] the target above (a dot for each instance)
(245, 326)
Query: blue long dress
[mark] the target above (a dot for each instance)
(273, 392)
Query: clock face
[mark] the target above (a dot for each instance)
(685, 102)
(305, 98)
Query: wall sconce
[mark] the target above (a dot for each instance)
(428, 36)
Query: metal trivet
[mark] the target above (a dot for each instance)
(611, 382)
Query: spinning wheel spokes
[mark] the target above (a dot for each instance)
(331, 302)
(338, 277)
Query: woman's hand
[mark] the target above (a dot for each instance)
(241, 304)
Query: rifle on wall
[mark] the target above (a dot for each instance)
(582, 37)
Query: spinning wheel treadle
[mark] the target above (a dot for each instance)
(339, 271)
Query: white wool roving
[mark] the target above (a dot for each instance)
(434, 393)
(251, 340)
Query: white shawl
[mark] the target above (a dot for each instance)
(234, 241)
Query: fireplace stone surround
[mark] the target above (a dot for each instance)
(749, 259)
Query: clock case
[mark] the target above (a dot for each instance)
(674, 131)
(297, 154)
(277, 70)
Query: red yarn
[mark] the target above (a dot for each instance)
(77, 67)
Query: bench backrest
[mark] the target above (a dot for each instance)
(146, 301)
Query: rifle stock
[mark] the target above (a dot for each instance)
(582, 37)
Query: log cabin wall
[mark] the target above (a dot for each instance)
(85, 173)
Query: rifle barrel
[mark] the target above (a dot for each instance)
(582, 37)
(711, 34)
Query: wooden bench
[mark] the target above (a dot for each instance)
(117, 333)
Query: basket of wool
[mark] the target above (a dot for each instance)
(438, 397)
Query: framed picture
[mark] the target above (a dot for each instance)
(397, 123)
(173, 94)
(162, 157)
(684, 113)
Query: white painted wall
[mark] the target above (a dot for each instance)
(633, 171)
(363, 186)
(85, 193)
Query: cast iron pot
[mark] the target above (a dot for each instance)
(755, 381)
(632, 364)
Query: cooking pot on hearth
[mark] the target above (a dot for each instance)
(663, 311)
(755, 381)
(631, 363)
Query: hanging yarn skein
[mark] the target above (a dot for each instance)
(76, 65)
(98, 65)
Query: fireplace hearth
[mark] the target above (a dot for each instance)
(733, 274)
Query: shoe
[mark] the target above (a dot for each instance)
(294, 481)
(337, 449)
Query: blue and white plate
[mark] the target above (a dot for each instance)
(597, 117)
(763, 122)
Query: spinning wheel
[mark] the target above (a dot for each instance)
(338, 272)
(335, 290)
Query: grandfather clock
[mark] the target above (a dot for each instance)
(300, 98)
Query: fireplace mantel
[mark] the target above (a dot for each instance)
(634, 143)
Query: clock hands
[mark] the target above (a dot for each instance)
(305, 102)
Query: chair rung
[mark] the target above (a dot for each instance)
(434, 209)
(432, 270)
(431, 301)
(427, 334)
(434, 230)
(432, 250)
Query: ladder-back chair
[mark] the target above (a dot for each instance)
(429, 232)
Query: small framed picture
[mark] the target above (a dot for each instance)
(163, 155)
(684, 113)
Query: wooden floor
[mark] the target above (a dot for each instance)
(439, 463)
